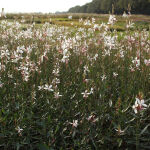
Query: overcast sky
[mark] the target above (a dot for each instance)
(44, 6)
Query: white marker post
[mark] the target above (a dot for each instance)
(3, 14)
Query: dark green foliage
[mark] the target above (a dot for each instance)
(105, 6)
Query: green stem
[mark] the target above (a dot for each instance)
(137, 135)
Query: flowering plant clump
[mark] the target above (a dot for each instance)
(74, 86)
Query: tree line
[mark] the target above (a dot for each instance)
(119, 6)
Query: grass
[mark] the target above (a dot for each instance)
(141, 21)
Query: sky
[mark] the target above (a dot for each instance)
(44, 6)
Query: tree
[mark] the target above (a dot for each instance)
(105, 6)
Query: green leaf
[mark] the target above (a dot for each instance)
(119, 142)
(43, 147)
(18, 146)
(144, 129)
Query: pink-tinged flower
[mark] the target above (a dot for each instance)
(96, 26)
(132, 69)
(85, 94)
(19, 130)
(57, 95)
(75, 123)
(136, 61)
(147, 62)
(139, 105)
(1, 84)
(92, 118)
(119, 131)
(86, 80)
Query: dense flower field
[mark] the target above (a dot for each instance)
(74, 88)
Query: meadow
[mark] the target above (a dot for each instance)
(74, 82)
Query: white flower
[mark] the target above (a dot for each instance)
(96, 26)
(19, 129)
(136, 61)
(95, 57)
(147, 62)
(139, 105)
(91, 91)
(112, 19)
(69, 17)
(1, 84)
(48, 87)
(75, 123)
(85, 94)
(86, 69)
(56, 81)
(110, 41)
(120, 132)
(92, 118)
(103, 77)
(10, 75)
(87, 23)
(93, 20)
(124, 15)
(56, 71)
(130, 25)
(80, 20)
(57, 95)
(115, 74)
(87, 80)
(40, 87)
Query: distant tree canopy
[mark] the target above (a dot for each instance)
(105, 6)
